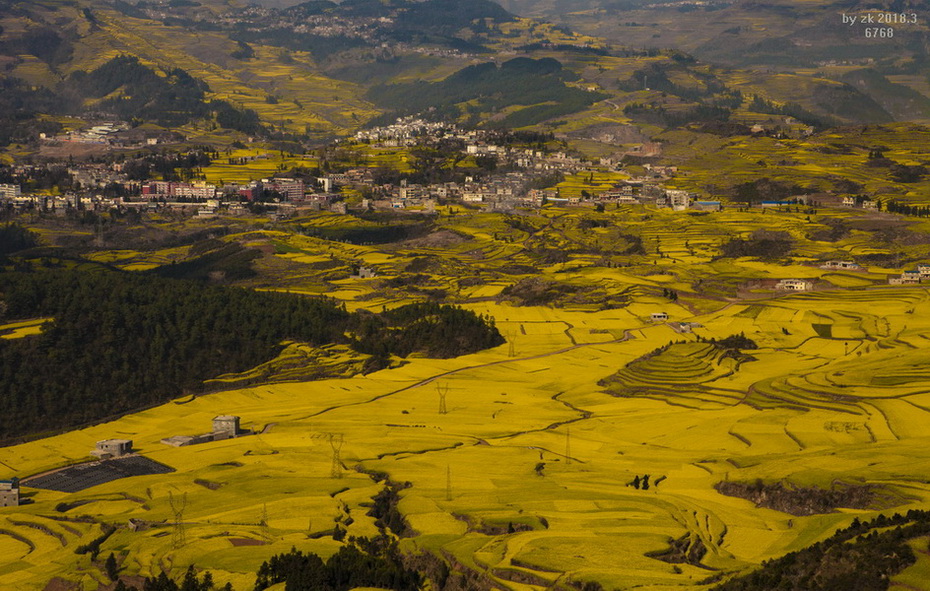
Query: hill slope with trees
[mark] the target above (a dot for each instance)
(121, 341)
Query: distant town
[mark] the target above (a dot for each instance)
(511, 176)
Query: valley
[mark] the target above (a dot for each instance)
(552, 295)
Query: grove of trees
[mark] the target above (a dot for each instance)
(117, 342)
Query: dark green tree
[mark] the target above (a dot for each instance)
(112, 569)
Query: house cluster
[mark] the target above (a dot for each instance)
(262, 20)
(336, 26)
(224, 427)
(97, 134)
(60, 204)
(646, 190)
(198, 190)
(858, 201)
(9, 192)
(513, 182)
(912, 276)
(286, 189)
(409, 131)
(498, 191)
(789, 284)
(113, 133)
(842, 266)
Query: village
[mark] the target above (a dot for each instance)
(510, 177)
(513, 176)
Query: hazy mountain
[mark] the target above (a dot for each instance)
(745, 32)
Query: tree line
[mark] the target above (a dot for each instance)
(863, 556)
(170, 98)
(520, 81)
(892, 206)
(760, 105)
(14, 237)
(434, 329)
(659, 115)
(362, 562)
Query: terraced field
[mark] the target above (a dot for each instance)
(813, 163)
(527, 477)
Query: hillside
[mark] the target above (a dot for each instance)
(787, 36)
(522, 469)
(537, 85)
(112, 371)
(633, 297)
(318, 69)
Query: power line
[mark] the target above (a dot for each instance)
(335, 442)
(263, 522)
(177, 507)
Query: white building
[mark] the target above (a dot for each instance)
(9, 492)
(847, 265)
(225, 426)
(112, 448)
(795, 285)
(678, 200)
(8, 191)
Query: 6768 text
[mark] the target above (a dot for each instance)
(879, 32)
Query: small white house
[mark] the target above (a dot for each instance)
(226, 425)
(910, 277)
(845, 265)
(9, 492)
(112, 448)
(795, 285)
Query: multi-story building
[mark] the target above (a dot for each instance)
(9, 191)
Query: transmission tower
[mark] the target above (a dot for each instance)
(442, 391)
(512, 352)
(568, 446)
(263, 522)
(177, 507)
(335, 442)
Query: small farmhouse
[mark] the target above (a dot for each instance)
(846, 265)
(795, 285)
(225, 427)
(112, 448)
(9, 492)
